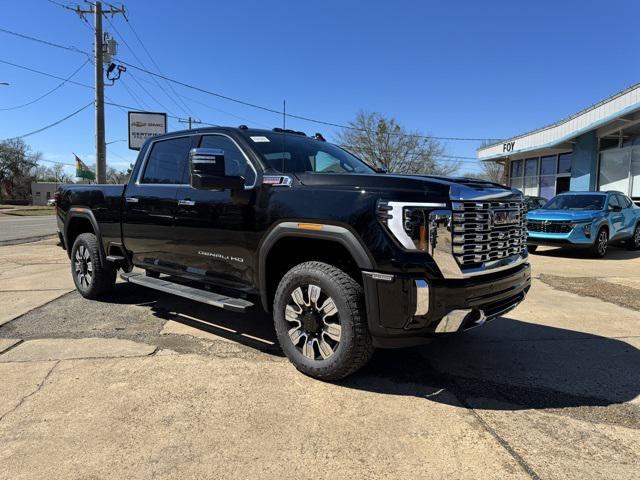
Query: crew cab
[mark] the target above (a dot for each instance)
(346, 258)
(590, 220)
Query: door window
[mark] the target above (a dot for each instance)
(167, 162)
(613, 202)
(235, 161)
(623, 201)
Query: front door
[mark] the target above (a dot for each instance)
(217, 229)
(151, 202)
(616, 217)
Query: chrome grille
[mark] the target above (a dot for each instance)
(487, 231)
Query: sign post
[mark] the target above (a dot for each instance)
(143, 125)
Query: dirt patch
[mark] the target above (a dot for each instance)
(623, 296)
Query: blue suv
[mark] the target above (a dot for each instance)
(585, 219)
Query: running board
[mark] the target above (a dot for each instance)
(196, 294)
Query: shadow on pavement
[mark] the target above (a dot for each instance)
(510, 365)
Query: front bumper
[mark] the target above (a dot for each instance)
(574, 237)
(400, 312)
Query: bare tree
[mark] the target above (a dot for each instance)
(383, 143)
(491, 171)
(17, 162)
(117, 177)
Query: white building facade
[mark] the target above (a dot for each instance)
(597, 148)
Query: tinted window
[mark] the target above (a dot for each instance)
(235, 162)
(576, 202)
(613, 201)
(564, 163)
(167, 162)
(296, 153)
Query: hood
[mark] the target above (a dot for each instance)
(434, 187)
(568, 215)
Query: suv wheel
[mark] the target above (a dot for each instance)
(599, 247)
(634, 243)
(320, 322)
(91, 277)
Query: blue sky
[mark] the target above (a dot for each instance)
(454, 69)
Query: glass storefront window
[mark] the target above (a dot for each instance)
(516, 168)
(564, 163)
(531, 167)
(548, 177)
(614, 169)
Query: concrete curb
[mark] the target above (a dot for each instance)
(18, 241)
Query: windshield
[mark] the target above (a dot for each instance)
(297, 154)
(576, 202)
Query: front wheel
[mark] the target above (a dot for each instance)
(600, 245)
(320, 321)
(634, 243)
(92, 278)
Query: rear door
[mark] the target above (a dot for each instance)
(217, 229)
(151, 202)
(628, 214)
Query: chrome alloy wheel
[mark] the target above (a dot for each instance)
(636, 237)
(316, 329)
(83, 266)
(603, 239)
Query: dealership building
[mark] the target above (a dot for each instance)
(595, 149)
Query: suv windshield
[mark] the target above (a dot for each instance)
(576, 202)
(297, 154)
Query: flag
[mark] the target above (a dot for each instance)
(82, 170)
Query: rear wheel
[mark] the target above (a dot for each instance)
(92, 278)
(320, 321)
(600, 245)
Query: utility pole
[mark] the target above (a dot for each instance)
(189, 120)
(99, 46)
(101, 147)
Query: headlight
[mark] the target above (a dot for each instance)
(408, 222)
(586, 229)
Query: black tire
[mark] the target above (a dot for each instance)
(152, 274)
(634, 242)
(600, 244)
(92, 278)
(532, 248)
(354, 348)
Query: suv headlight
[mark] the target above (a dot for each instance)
(408, 222)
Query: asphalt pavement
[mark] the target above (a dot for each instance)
(15, 229)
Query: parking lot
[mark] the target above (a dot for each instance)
(145, 384)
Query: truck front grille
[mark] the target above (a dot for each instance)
(548, 226)
(487, 231)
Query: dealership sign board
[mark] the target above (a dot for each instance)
(143, 125)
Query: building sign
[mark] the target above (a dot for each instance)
(508, 146)
(143, 125)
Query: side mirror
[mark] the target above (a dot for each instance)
(208, 170)
(616, 208)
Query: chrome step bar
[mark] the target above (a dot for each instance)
(196, 294)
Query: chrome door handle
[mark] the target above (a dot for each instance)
(187, 203)
(132, 200)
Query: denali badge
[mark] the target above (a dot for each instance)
(221, 256)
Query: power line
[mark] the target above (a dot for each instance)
(52, 124)
(45, 42)
(49, 92)
(40, 72)
(249, 104)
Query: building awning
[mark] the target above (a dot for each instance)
(608, 116)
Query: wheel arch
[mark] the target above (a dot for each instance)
(278, 240)
(78, 221)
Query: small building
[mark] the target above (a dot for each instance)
(595, 149)
(43, 191)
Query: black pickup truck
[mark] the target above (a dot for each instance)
(347, 258)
